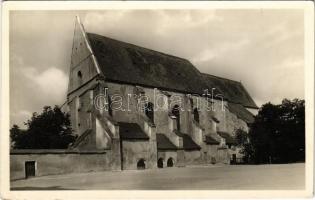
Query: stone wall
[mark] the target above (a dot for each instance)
(49, 162)
(223, 155)
(209, 109)
(228, 121)
(135, 150)
(193, 157)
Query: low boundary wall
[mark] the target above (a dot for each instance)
(51, 162)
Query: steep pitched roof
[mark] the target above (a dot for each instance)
(228, 138)
(163, 143)
(211, 140)
(131, 64)
(241, 112)
(123, 62)
(233, 91)
(131, 131)
(188, 143)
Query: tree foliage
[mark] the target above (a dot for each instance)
(278, 133)
(242, 140)
(49, 130)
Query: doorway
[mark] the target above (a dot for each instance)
(29, 169)
(170, 162)
(141, 164)
(160, 163)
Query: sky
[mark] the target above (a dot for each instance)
(264, 49)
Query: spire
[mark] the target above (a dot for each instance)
(82, 57)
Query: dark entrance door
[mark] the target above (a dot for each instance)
(141, 164)
(29, 169)
(233, 158)
(170, 162)
(160, 163)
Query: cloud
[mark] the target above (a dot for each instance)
(21, 117)
(52, 82)
(262, 48)
(184, 20)
(225, 47)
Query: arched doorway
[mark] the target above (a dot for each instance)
(170, 162)
(149, 112)
(196, 115)
(141, 164)
(160, 163)
(175, 112)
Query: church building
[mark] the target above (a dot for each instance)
(148, 109)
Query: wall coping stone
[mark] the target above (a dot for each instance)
(55, 151)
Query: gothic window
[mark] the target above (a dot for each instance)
(196, 115)
(175, 112)
(149, 112)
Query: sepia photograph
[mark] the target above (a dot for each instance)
(168, 98)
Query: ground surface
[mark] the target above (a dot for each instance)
(287, 176)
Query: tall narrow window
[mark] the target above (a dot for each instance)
(196, 115)
(80, 77)
(109, 101)
(175, 112)
(149, 112)
(79, 74)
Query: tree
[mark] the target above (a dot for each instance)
(242, 141)
(49, 130)
(278, 133)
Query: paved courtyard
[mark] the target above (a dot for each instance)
(287, 176)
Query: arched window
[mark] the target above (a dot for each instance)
(141, 164)
(175, 112)
(196, 115)
(170, 162)
(149, 112)
(160, 163)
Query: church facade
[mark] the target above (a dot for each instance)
(136, 108)
(147, 109)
